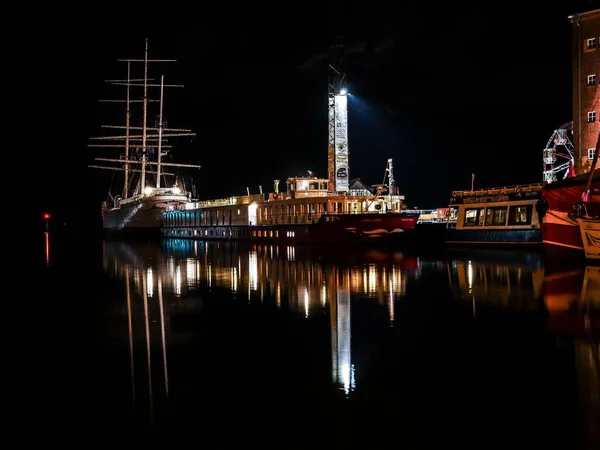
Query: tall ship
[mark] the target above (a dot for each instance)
(149, 182)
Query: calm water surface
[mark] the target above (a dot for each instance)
(261, 345)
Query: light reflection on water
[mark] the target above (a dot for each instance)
(177, 278)
(266, 274)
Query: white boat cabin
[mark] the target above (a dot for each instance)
(496, 208)
(305, 200)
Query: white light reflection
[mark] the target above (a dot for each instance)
(177, 281)
(234, 279)
(190, 272)
(291, 253)
(171, 267)
(150, 287)
(306, 302)
(252, 271)
(372, 279)
(343, 340)
(470, 276)
(339, 307)
(324, 294)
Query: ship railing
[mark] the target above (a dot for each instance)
(229, 201)
(504, 190)
(304, 218)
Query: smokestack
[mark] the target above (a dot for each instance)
(260, 189)
(248, 190)
(276, 182)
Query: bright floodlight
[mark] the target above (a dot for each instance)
(148, 190)
(343, 91)
(175, 190)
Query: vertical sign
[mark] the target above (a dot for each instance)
(342, 170)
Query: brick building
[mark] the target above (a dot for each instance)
(586, 95)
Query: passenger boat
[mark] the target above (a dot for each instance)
(305, 213)
(495, 216)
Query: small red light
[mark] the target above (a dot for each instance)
(45, 216)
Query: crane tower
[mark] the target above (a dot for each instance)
(338, 169)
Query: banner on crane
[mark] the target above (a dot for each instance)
(342, 170)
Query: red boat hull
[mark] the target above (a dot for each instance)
(332, 228)
(562, 235)
(558, 229)
(363, 227)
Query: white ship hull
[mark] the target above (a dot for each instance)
(590, 236)
(143, 213)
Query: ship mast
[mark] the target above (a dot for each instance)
(143, 182)
(147, 141)
(127, 118)
(160, 128)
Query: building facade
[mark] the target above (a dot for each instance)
(586, 95)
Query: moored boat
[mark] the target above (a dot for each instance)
(305, 212)
(495, 216)
(571, 214)
(138, 211)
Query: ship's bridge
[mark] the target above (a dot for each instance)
(307, 186)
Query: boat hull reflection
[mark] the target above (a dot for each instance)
(498, 278)
(573, 301)
(308, 281)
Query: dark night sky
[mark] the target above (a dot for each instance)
(445, 92)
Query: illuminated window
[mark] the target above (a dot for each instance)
(591, 153)
(473, 217)
(591, 79)
(520, 215)
(592, 116)
(591, 43)
(495, 216)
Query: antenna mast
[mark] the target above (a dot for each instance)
(391, 181)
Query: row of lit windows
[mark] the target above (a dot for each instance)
(271, 233)
(229, 233)
(497, 216)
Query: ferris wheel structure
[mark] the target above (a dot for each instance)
(559, 155)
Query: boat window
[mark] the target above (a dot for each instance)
(496, 216)
(473, 217)
(520, 215)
